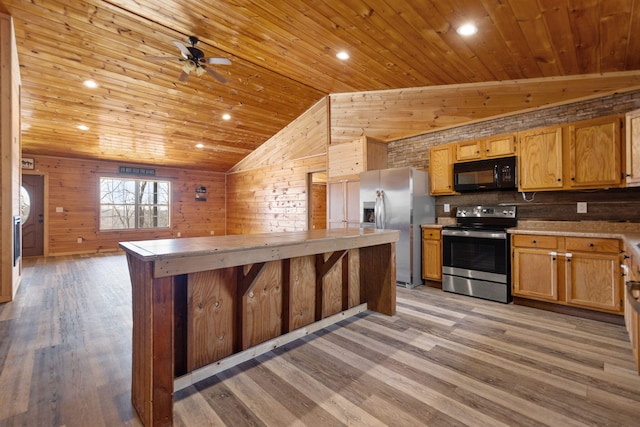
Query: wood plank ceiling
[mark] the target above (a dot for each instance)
(283, 61)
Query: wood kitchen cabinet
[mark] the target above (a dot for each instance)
(575, 271)
(431, 253)
(441, 169)
(633, 148)
(485, 148)
(593, 278)
(540, 159)
(343, 204)
(534, 267)
(595, 154)
(347, 160)
(580, 155)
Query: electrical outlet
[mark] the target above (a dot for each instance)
(582, 207)
(79, 240)
(178, 234)
(212, 232)
(447, 207)
(59, 209)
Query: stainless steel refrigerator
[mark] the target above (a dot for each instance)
(399, 199)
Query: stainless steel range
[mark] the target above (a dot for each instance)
(476, 257)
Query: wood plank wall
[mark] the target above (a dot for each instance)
(319, 206)
(268, 190)
(73, 185)
(10, 274)
(614, 204)
(272, 198)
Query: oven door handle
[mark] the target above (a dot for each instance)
(498, 235)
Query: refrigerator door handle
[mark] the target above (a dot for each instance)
(382, 211)
(379, 209)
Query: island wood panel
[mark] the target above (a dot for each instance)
(73, 184)
(211, 307)
(281, 298)
(153, 344)
(260, 317)
(271, 198)
(302, 291)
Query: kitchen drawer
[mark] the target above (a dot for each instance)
(588, 244)
(431, 233)
(535, 241)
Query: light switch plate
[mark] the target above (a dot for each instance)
(447, 207)
(59, 209)
(582, 207)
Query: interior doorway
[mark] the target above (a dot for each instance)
(32, 213)
(317, 201)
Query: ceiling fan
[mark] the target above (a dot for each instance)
(194, 60)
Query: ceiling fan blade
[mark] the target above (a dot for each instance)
(218, 61)
(161, 58)
(183, 76)
(183, 49)
(214, 74)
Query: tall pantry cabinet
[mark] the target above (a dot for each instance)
(345, 161)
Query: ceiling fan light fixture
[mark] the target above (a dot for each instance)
(467, 29)
(200, 71)
(189, 66)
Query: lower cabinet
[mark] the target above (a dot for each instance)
(574, 271)
(431, 253)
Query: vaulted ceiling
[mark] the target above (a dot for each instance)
(283, 56)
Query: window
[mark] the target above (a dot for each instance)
(134, 204)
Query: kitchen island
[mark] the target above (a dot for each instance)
(204, 304)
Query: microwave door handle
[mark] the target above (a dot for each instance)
(495, 175)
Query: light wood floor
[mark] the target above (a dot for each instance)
(444, 360)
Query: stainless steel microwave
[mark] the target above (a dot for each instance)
(490, 174)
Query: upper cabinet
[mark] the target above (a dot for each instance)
(540, 159)
(579, 155)
(633, 148)
(347, 160)
(595, 153)
(495, 146)
(441, 169)
(576, 156)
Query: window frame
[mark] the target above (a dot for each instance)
(136, 205)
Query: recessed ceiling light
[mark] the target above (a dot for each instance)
(342, 55)
(90, 84)
(199, 145)
(467, 29)
(226, 116)
(83, 127)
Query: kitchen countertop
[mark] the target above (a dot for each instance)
(627, 231)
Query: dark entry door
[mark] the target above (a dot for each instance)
(33, 208)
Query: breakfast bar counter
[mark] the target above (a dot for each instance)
(204, 304)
